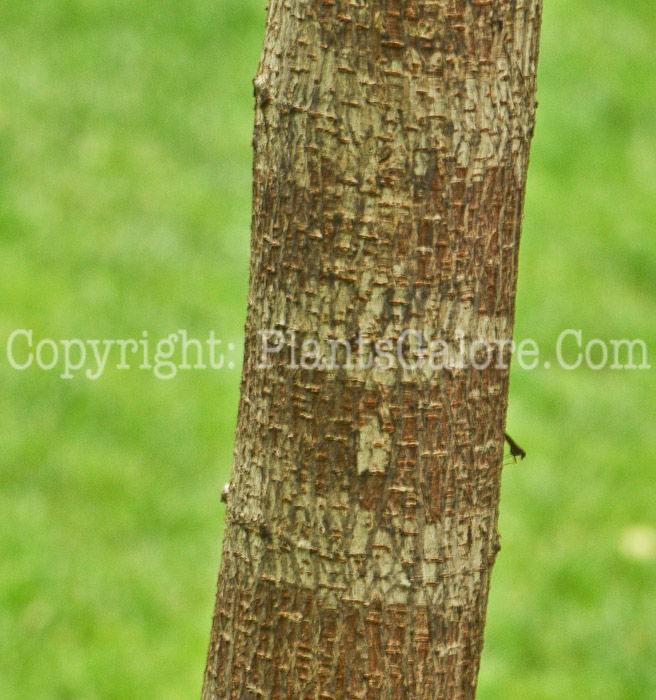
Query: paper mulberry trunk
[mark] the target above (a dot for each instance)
(390, 156)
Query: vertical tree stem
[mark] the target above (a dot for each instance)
(390, 156)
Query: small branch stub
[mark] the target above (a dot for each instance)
(225, 492)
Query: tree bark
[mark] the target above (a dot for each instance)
(390, 155)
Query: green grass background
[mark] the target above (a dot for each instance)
(125, 132)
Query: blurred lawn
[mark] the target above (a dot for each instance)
(125, 134)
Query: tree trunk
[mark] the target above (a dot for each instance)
(391, 147)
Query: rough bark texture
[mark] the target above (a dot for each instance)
(391, 148)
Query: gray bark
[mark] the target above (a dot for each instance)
(390, 156)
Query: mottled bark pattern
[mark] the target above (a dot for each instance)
(391, 148)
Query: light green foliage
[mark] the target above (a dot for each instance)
(125, 134)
